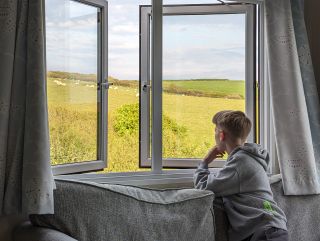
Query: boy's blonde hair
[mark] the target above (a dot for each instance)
(236, 123)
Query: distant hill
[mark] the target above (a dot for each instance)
(93, 77)
(214, 88)
(203, 79)
(72, 76)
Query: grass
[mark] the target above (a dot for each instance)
(73, 120)
(208, 88)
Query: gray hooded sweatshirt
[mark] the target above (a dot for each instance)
(245, 190)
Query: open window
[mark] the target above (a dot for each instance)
(76, 53)
(209, 64)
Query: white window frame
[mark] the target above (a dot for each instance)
(184, 177)
(102, 101)
(156, 161)
(266, 130)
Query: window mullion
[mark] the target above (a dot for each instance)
(156, 76)
(250, 73)
(103, 145)
(144, 97)
(264, 89)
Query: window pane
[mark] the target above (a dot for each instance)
(123, 95)
(203, 72)
(72, 64)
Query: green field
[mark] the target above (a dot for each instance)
(188, 131)
(208, 88)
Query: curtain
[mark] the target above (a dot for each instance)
(294, 96)
(26, 183)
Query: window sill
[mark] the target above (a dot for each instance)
(170, 178)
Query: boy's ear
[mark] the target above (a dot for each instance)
(221, 136)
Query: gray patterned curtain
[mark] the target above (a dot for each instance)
(294, 97)
(26, 181)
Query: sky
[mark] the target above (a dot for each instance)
(194, 46)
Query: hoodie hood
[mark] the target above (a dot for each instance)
(260, 154)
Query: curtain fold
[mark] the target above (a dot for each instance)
(26, 182)
(308, 76)
(294, 96)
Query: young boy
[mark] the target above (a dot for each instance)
(242, 183)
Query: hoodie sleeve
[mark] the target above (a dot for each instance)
(225, 182)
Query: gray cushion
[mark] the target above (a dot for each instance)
(303, 214)
(93, 212)
(27, 232)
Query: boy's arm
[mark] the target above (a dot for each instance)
(225, 182)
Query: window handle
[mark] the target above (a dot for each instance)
(106, 85)
(146, 87)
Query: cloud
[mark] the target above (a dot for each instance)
(185, 64)
(118, 42)
(203, 63)
(85, 22)
(79, 44)
(72, 50)
(194, 46)
(129, 28)
(128, 69)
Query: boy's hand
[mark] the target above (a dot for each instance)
(215, 152)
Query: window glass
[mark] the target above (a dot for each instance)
(123, 95)
(72, 66)
(203, 72)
